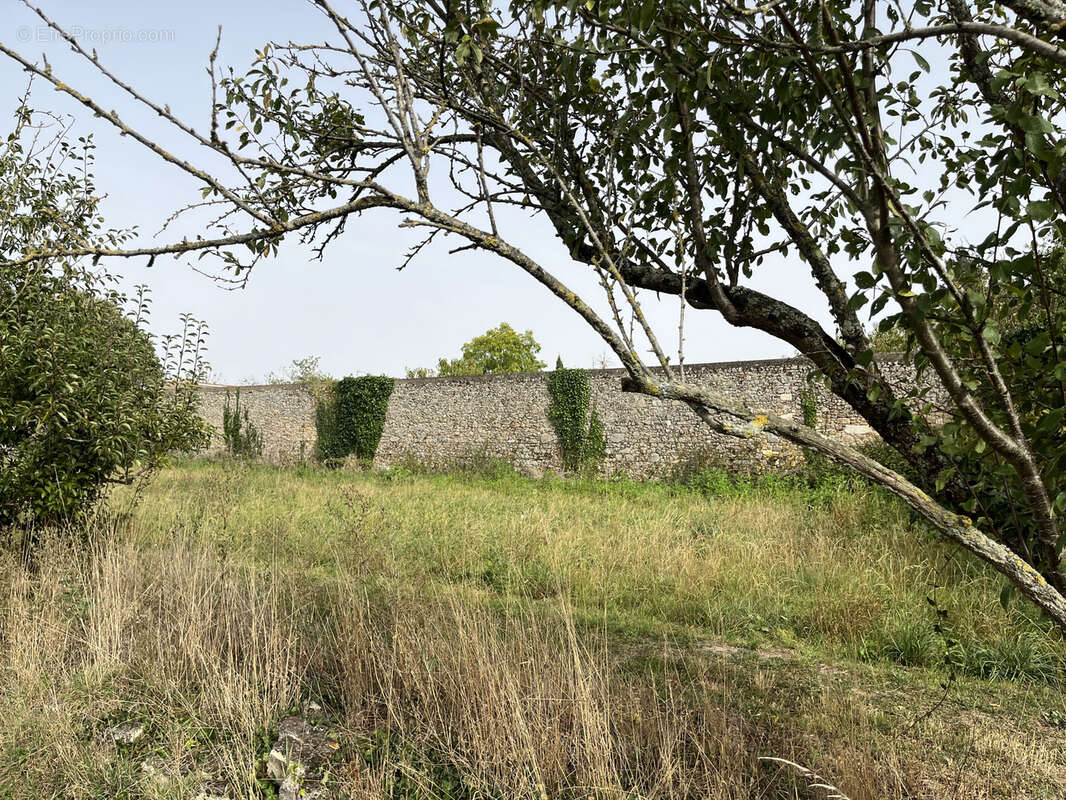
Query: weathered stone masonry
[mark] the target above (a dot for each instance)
(440, 421)
(283, 413)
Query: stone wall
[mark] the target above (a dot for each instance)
(284, 415)
(443, 421)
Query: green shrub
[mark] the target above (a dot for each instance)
(480, 463)
(887, 455)
(1016, 655)
(596, 442)
(582, 436)
(708, 481)
(328, 447)
(361, 405)
(85, 401)
(831, 485)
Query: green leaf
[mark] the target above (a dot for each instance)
(943, 477)
(865, 280)
(1041, 210)
(857, 301)
(1037, 84)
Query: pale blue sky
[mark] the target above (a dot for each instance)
(353, 309)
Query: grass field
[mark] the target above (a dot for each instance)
(473, 636)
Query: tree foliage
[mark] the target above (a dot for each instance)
(301, 370)
(1025, 322)
(497, 351)
(84, 399)
(675, 147)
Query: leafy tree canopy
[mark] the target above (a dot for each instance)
(497, 351)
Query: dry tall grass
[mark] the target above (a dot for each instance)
(444, 699)
(210, 639)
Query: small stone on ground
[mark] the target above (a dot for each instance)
(124, 733)
(298, 759)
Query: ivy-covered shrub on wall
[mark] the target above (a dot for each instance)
(327, 443)
(596, 440)
(582, 437)
(361, 404)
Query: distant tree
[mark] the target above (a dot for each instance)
(84, 400)
(329, 448)
(301, 370)
(307, 372)
(497, 351)
(602, 361)
(890, 339)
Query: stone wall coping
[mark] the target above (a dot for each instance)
(228, 387)
(711, 366)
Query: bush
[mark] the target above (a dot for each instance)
(361, 405)
(328, 449)
(719, 483)
(582, 437)
(887, 455)
(480, 463)
(1018, 656)
(84, 400)
(910, 643)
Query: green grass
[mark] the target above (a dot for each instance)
(615, 628)
(840, 571)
